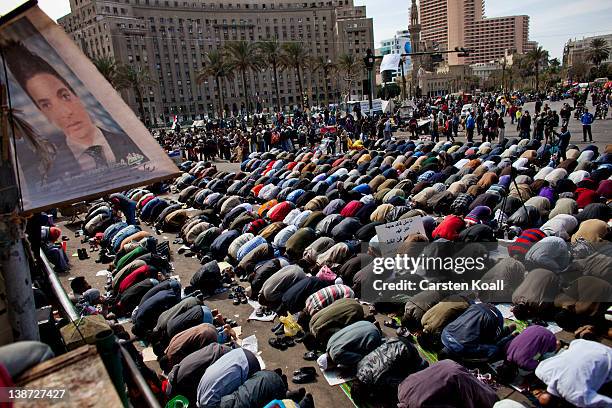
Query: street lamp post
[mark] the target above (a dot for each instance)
(369, 63)
(402, 60)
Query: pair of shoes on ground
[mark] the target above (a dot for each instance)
(263, 311)
(237, 293)
(82, 253)
(304, 375)
(281, 342)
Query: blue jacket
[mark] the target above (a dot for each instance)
(481, 323)
(470, 123)
(586, 118)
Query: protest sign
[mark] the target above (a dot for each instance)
(74, 136)
(390, 235)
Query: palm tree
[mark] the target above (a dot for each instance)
(554, 65)
(107, 67)
(137, 79)
(598, 51)
(295, 56)
(350, 67)
(215, 65)
(538, 57)
(322, 63)
(271, 53)
(243, 56)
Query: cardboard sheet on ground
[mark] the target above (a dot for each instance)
(250, 343)
(333, 377)
(148, 354)
(255, 305)
(74, 136)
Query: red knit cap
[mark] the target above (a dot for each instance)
(525, 241)
(54, 234)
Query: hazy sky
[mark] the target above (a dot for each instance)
(552, 22)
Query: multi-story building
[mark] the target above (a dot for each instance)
(575, 50)
(399, 44)
(171, 39)
(462, 23)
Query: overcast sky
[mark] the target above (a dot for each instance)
(552, 23)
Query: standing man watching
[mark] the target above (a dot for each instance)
(587, 121)
(525, 125)
(470, 124)
(565, 113)
(564, 138)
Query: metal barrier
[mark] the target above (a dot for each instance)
(70, 311)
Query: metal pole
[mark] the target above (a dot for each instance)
(68, 308)
(58, 289)
(403, 79)
(370, 89)
(138, 379)
(13, 261)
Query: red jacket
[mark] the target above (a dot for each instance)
(280, 211)
(137, 275)
(584, 197)
(449, 228)
(351, 208)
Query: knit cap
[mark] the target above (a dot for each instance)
(525, 241)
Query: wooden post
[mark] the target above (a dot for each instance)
(14, 264)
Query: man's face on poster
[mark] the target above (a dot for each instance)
(61, 106)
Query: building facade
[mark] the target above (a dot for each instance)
(462, 23)
(575, 50)
(171, 39)
(443, 80)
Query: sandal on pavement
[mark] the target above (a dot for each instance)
(277, 343)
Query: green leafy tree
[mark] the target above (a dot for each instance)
(351, 68)
(271, 53)
(598, 51)
(326, 65)
(244, 57)
(295, 56)
(539, 59)
(215, 65)
(107, 67)
(137, 79)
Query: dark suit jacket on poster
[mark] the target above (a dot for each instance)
(65, 164)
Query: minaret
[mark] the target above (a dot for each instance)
(415, 41)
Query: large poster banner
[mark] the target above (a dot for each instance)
(75, 138)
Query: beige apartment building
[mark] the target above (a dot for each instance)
(171, 38)
(576, 50)
(462, 23)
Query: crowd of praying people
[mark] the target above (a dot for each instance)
(297, 228)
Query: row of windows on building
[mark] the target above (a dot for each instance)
(219, 5)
